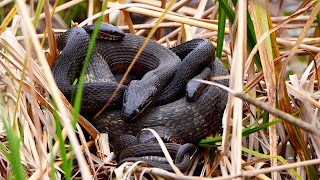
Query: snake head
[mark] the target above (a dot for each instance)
(137, 99)
(106, 31)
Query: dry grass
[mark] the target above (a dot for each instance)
(33, 147)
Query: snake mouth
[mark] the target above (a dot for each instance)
(136, 99)
(130, 115)
(106, 36)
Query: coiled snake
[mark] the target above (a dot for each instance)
(179, 121)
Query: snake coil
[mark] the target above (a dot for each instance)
(162, 77)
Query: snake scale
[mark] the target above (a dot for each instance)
(161, 78)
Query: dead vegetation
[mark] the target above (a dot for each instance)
(272, 56)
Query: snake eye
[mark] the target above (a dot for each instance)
(137, 111)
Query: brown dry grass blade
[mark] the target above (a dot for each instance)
(237, 79)
(127, 18)
(51, 40)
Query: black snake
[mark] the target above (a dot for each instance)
(160, 82)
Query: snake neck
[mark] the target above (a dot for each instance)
(68, 65)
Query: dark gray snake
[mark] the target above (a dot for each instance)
(179, 121)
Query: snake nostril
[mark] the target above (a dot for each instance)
(125, 115)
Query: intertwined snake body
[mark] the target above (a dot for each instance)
(180, 121)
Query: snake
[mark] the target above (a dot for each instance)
(156, 91)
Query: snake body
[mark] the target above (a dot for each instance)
(153, 155)
(195, 55)
(134, 149)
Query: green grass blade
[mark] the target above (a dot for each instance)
(226, 8)
(221, 30)
(211, 141)
(62, 148)
(2, 16)
(20, 86)
(71, 160)
(38, 12)
(53, 177)
(280, 158)
(265, 118)
(77, 101)
(250, 29)
(312, 172)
